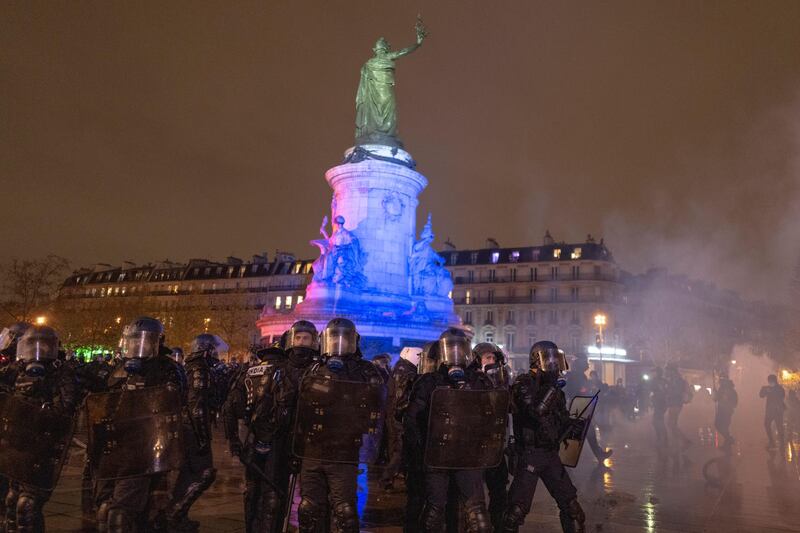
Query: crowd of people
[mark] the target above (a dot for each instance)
(450, 422)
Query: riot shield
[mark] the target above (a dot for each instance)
(33, 441)
(581, 407)
(466, 428)
(134, 433)
(339, 421)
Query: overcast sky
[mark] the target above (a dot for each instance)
(154, 130)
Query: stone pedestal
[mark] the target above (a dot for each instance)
(375, 191)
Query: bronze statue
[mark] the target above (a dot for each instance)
(376, 105)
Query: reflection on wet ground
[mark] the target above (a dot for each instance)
(700, 488)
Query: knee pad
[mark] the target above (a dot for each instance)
(514, 517)
(309, 515)
(26, 512)
(478, 519)
(102, 517)
(432, 518)
(345, 516)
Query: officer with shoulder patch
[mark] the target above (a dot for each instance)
(251, 401)
(541, 422)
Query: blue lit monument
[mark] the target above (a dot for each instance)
(372, 268)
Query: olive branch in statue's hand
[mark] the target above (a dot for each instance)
(422, 32)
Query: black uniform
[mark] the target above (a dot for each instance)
(336, 483)
(206, 388)
(55, 388)
(497, 478)
(252, 400)
(537, 439)
(401, 381)
(122, 503)
(468, 483)
(726, 399)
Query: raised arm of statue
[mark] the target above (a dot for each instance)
(323, 229)
(421, 34)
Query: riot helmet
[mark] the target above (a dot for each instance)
(10, 336)
(429, 359)
(142, 338)
(455, 350)
(302, 334)
(38, 343)
(411, 354)
(339, 339)
(383, 361)
(546, 356)
(484, 349)
(209, 344)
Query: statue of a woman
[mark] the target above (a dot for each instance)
(376, 105)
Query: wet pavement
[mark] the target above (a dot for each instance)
(639, 490)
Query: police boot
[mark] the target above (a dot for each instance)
(478, 519)
(28, 515)
(178, 518)
(432, 518)
(573, 519)
(514, 517)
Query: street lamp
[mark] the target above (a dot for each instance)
(41, 320)
(206, 322)
(600, 320)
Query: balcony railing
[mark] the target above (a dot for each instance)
(460, 280)
(502, 300)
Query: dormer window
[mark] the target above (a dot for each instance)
(557, 253)
(495, 257)
(576, 253)
(514, 257)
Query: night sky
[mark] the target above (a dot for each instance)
(155, 130)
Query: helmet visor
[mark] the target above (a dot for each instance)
(339, 341)
(455, 351)
(37, 348)
(301, 336)
(553, 360)
(140, 344)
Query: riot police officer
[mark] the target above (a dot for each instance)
(37, 375)
(144, 363)
(204, 400)
(401, 380)
(541, 422)
(251, 401)
(326, 481)
(455, 351)
(491, 360)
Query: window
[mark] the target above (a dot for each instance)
(531, 338)
(242, 270)
(575, 342)
(514, 256)
(513, 274)
(573, 291)
(511, 317)
(471, 276)
(557, 253)
(532, 295)
(453, 258)
(576, 272)
(230, 271)
(495, 257)
(468, 317)
(473, 257)
(531, 317)
(207, 271)
(492, 275)
(288, 302)
(534, 274)
(509, 340)
(297, 268)
(576, 253)
(490, 296)
(554, 295)
(554, 273)
(488, 336)
(490, 317)
(278, 302)
(468, 297)
(299, 299)
(576, 320)
(597, 271)
(553, 317)
(219, 271)
(449, 295)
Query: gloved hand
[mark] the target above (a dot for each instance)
(576, 429)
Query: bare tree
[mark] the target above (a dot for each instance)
(27, 286)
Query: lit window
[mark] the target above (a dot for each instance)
(514, 257)
(175, 289)
(468, 297)
(495, 257)
(288, 302)
(297, 268)
(489, 336)
(242, 270)
(576, 253)
(557, 253)
(308, 268)
(299, 299)
(230, 271)
(278, 301)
